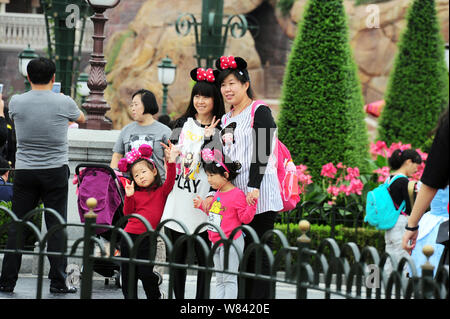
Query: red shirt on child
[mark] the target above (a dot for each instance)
(150, 205)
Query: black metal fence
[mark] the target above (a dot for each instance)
(347, 271)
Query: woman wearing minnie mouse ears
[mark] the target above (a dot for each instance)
(190, 132)
(251, 145)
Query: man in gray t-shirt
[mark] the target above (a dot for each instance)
(41, 119)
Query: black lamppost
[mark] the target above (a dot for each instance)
(25, 57)
(95, 105)
(210, 41)
(166, 75)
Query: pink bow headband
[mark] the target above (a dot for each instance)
(214, 156)
(144, 151)
(205, 75)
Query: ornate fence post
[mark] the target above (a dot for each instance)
(303, 243)
(427, 273)
(88, 249)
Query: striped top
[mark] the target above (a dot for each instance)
(242, 150)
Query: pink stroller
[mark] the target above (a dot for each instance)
(101, 182)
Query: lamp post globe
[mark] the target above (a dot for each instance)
(166, 76)
(82, 87)
(25, 57)
(103, 4)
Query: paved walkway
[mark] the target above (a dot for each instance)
(27, 283)
(26, 289)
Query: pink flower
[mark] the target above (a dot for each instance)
(305, 179)
(328, 170)
(352, 173)
(395, 146)
(333, 190)
(301, 169)
(418, 175)
(356, 186)
(423, 155)
(379, 148)
(345, 189)
(383, 172)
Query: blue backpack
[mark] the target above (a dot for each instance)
(380, 208)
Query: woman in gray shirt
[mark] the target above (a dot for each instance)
(144, 130)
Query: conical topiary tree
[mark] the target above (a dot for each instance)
(321, 118)
(418, 85)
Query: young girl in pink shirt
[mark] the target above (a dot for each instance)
(229, 209)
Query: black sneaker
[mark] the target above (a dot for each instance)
(6, 289)
(64, 290)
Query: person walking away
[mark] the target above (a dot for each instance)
(405, 163)
(41, 170)
(429, 226)
(435, 176)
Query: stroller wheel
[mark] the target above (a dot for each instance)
(117, 279)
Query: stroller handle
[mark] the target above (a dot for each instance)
(94, 165)
(100, 165)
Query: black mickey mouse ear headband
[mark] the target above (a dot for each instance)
(200, 74)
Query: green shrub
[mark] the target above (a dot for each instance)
(5, 219)
(418, 85)
(362, 236)
(321, 117)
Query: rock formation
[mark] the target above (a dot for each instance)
(134, 53)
